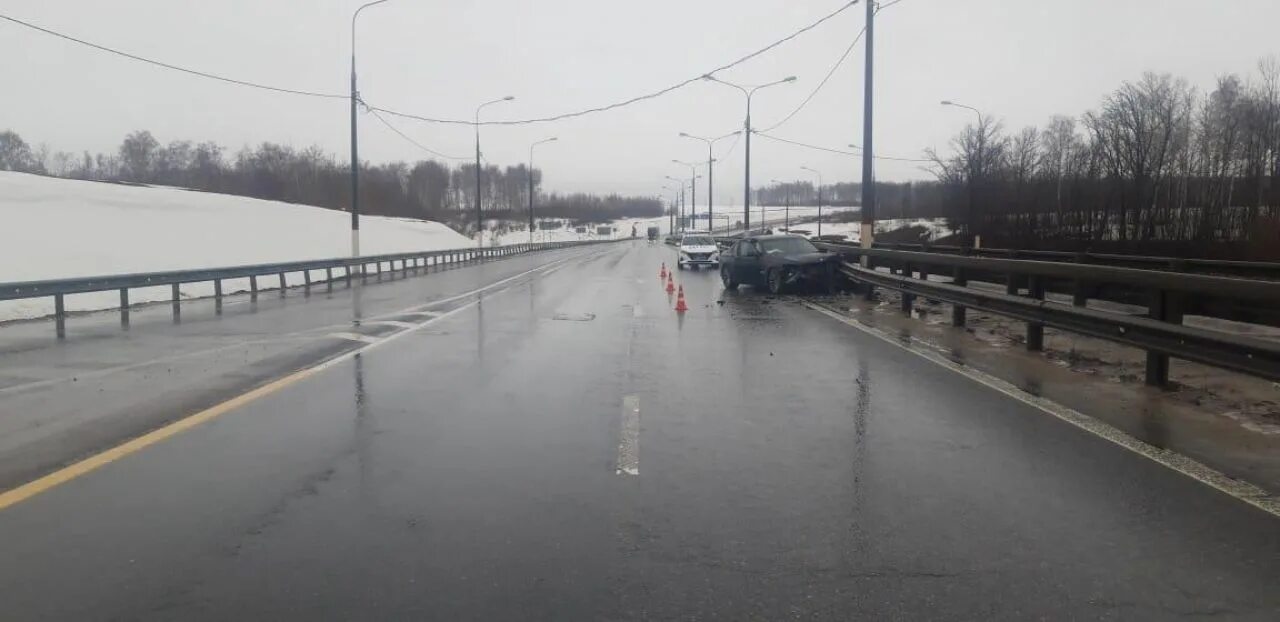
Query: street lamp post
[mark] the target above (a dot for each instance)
(693, 191)
(355, 151)
(680, 204)
(746, 175)
(786, 217)
(671, 212)
(479, 217)
(974, 238)
(711, 197)
(531, 189)
(819, 197)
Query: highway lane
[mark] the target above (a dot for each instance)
(570, 448)
(63, 400)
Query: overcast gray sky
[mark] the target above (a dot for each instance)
(1022, 60)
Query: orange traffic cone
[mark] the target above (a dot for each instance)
(663, 274)
(680, 306)
(671, 285)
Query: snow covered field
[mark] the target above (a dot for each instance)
(853, 230)
(59, 228)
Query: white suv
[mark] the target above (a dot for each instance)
(698, 250)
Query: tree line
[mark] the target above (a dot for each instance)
(1158, 166)
(424, 189)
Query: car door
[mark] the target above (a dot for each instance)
(746, 262)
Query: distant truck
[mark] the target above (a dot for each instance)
(653, 233)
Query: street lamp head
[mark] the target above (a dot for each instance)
(790, 79)
(553, 138)
(683, 135)
(947, 102)
(508, 98)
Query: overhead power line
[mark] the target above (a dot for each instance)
(149, 61)
(568, 115)
(733, 145)
(821, 84)
(841, 152)
(414, 142)
(830, 73)
(638, 98)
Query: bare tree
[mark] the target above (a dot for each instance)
(137, 153)
(980, 159)
(15, 154)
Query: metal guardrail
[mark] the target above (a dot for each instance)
(1255, 269)
(58, 289)
(1160, 333)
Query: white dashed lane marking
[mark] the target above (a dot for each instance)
(355, 337)
(629, 437)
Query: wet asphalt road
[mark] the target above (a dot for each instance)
(568, 448)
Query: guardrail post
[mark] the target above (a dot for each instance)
(404, 267)
(306, 282)
(283, 286)
(328, 279)
(346, 274)
(1011, 284)
(124, 308)
(1080, 296)
(177, 304)
(217, 296)
(59, 316)
(1166, 307)
(1035, 330)
(907, 299)
(253, 287)
(958, 312)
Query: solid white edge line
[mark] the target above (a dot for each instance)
(1239, 489)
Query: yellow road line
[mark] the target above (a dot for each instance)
(66, 474)
(61, 476)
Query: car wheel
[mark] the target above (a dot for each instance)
(829, 281)
(680, 264)
(774, 279)
(726, 276)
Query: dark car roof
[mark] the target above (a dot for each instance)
(774, 236)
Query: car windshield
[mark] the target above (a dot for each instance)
(698, 241)
(787, 246)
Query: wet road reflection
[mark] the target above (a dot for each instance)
(786, 467)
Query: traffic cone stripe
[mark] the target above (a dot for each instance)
(681, 307)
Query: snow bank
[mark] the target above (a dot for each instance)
(59, 228)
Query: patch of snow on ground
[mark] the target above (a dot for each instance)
(60, 228)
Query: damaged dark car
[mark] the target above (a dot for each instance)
(780, 263)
